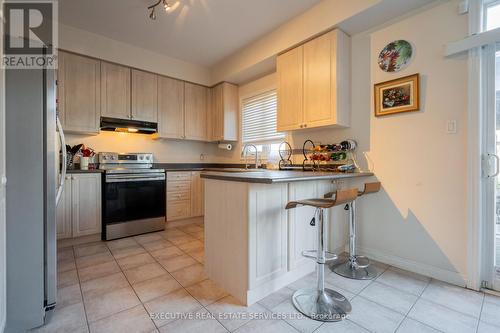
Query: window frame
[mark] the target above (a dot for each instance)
(264, 147)
(487, 4)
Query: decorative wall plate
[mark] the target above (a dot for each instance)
(395, 56)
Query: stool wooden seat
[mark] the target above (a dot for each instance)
(340, 197)
(356, 267)
(321, 303)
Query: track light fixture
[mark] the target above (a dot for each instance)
(166, 6)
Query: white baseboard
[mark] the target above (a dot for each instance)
(414, 266)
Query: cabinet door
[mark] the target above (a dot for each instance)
(290, 89)
(195, 112)
(144, 96)
(86, 204)
(197, 194)
(63, 212)
(267, 233)
(302, 235)
(317, 87)
(230, 111)
(115, 91)
(170, 108)
(216, 114)
(79, 93)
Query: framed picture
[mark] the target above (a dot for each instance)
(395, 96)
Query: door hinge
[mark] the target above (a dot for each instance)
(484, 284)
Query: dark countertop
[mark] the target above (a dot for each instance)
(276, 176)
(194, 166)
(84, 171)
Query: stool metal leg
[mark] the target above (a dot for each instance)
(355, 268)
(321, 303)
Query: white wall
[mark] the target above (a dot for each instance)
(421, 214)
(87, 43)
(418, 221)
(259, 56)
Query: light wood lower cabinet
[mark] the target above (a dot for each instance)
(79, 211)
(63, 212)
(184, 195)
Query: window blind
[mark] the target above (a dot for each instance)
(259, 118)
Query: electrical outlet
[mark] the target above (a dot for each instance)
(202, 157)
(451, 127)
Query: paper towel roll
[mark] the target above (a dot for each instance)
(225, 146)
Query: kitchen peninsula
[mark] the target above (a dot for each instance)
(249, 233)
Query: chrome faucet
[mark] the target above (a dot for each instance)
(245, 153)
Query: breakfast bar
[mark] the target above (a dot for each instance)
(249, 233)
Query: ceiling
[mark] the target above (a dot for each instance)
(202, 32)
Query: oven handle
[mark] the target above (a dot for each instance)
(135, 178)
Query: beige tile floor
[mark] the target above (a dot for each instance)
(114, 286)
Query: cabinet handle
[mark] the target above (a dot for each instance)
(305, 125)
(301, 125)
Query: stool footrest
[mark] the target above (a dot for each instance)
(313, 254)
(359, 261)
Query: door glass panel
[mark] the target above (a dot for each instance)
(497, 183)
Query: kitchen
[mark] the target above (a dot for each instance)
(292, 173)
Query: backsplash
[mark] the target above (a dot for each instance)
(165, 151)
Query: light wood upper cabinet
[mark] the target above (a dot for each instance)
(86, 204)
(314, 83)
(290, 89)
(223, 112)
(115, 91)
(170, 108)
(144, 96)
(317, 75)
(79, 92)
(195, 112)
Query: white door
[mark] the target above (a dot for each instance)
(491, 165)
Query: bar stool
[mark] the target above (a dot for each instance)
(356, 267)
(321, 303)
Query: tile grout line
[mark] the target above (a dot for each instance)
(81, 291)
(418, 298)
(480, 313)
(131, 287)
(173, 277)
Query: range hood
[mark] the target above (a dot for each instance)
(129, 126)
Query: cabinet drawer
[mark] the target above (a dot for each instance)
(173, 186)
(178, 196)
(178, 210)
(178, 176)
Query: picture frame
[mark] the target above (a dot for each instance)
(398, 95)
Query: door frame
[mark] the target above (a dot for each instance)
(489, 183)
(3, 180)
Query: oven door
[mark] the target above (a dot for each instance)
(133, 197)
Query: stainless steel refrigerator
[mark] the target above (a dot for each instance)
(32, 187)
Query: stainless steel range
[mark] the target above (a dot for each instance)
(133, 196)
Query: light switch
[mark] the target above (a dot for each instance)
(451, 127)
